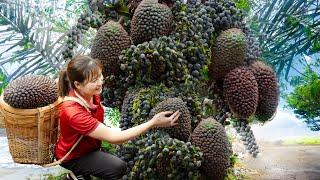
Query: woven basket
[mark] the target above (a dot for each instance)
(31, 133)
(2, 124)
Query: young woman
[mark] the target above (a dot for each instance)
(82, 79)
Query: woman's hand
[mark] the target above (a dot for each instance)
(162, 119)
(165, 119)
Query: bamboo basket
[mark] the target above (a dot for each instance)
(31, 133)
(2, 124)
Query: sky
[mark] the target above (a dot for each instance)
(284, 125)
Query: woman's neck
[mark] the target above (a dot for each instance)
(87, 98)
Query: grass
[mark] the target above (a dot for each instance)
(314, 140)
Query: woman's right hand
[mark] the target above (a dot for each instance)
(165, 119)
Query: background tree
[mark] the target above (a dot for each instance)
(304, 100)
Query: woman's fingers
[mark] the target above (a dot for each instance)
(166, 113)
(175, 119)
(174, 114)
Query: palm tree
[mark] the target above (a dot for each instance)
(34, 37)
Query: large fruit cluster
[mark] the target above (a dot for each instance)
(31, 91)
(198, 57)
(183, 129)
(158, 156)
(211, 137)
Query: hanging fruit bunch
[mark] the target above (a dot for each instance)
(198, 57)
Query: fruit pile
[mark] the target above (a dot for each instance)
(198, 57)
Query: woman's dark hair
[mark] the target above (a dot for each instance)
(82, 69)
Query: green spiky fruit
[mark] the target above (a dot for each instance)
(241, 92)
(150, 20)
(108, 44)
(210, 136)
(268, 90)
(228, 53)
(31, 91)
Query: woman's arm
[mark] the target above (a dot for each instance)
(113, 136)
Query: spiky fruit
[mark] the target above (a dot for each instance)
(150, 20)
(183, 129)
(210, 136)
(241, 92)
(228, 53)
(268, 90)
(107, 45)
(31, 91)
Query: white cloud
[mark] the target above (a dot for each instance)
(284, 125)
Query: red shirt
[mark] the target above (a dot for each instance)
(75, 121)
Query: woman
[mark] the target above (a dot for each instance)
(83, 80)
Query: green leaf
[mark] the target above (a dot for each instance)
(243, 4)
(292, 21)
(315, 46)
(205, 73)
(315, 89)
(3, 21)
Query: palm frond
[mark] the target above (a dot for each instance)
(37, 48)
(286, 30)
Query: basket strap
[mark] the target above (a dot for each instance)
(40, 124)
(65, 156)
(68, 98)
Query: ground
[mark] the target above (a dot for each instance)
(276, 161)
(285, 162)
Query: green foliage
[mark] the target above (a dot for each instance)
(205, 73)
(112, 115)
(233, 159)
(107, 147)
(243, 4)
(3, 21)
(3, 82)
(304, 100)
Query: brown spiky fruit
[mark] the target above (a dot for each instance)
(210, 136)
(183, 129)
(31, 91)
(268, 90)
(241, 92)
(228, 53)
(108, 43)
(150, 20)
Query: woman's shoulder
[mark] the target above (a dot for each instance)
(71, 107)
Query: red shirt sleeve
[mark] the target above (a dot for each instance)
(80, 119)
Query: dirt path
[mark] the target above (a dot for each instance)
(286, 162)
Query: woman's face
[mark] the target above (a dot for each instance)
(90, 88)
